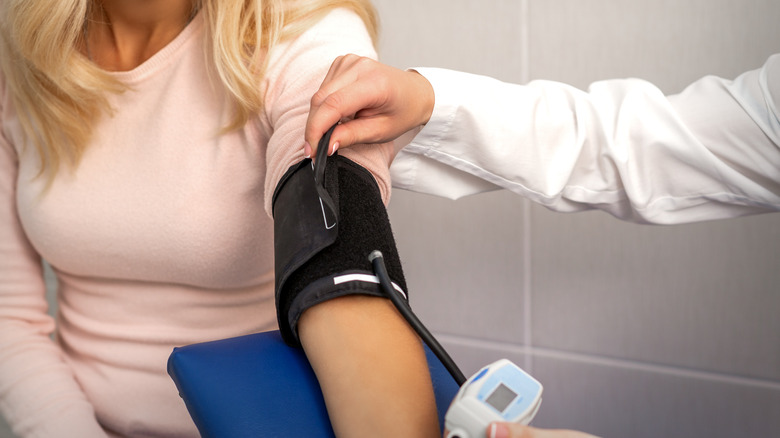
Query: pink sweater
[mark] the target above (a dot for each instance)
(160, 238)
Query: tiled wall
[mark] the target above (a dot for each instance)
(635, 330)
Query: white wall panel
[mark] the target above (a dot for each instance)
(613, 401)
(480, 37)
(669, 42)
(701, 296)
(464, 262)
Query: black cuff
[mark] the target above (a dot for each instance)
(322, 239)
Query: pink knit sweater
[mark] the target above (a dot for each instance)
(159, 238)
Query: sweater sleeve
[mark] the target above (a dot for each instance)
(295, 72)
(39, 396)
(710, 152)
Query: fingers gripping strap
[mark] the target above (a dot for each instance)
(322, 254)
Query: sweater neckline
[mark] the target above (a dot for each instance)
(164, 55)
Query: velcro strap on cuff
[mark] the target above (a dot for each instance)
(323, 254)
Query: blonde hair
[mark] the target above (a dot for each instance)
(59, 94)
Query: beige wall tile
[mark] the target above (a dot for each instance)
(699, 296)
(463, 261)
(613, 401)
(480, 37)
(668, 42)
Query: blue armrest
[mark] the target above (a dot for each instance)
(257, 386)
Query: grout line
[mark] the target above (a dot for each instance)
(612, 362)
(525, 45)
(526, 232)
(527, 284)
(656, 368)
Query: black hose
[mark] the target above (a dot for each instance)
(377, 261)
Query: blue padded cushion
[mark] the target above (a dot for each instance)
(257, 386)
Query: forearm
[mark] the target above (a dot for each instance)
(38, 395)
(371, 367)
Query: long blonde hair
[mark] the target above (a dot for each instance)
(59, 94)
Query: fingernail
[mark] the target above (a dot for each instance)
(335, 148)
(307, 150)
(498, 430)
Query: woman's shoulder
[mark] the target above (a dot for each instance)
(338, 32)
(339, 24)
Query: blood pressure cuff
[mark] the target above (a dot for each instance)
(325, 226)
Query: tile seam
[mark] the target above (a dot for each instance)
(526, 233)
(611, 362)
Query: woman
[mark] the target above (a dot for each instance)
(141, 143)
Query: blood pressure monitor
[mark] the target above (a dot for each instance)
(498, 392)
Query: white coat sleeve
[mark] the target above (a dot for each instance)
(710, 152)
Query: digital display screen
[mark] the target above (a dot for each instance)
(501, 397)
